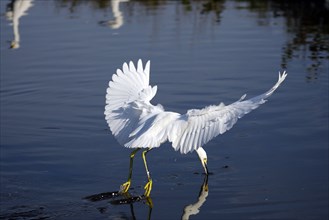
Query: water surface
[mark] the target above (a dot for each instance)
(56, 149)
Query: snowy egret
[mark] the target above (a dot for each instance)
(15, 10)
(137, 124)
(118, 18)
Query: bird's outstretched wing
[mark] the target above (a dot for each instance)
(128, 100)
(198, 126)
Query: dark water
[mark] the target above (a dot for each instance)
(56, 148)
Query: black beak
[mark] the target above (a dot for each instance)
(206, 169)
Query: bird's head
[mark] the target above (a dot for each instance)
(203, 157)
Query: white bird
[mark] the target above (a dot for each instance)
(118, 18)
(137, 124)
(16, 10)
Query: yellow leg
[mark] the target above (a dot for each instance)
(125, 186)
(148, 186)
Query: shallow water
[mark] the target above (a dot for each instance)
(56, 148)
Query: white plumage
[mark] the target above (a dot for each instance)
(136, 123)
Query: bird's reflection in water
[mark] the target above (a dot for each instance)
(118, 20)
(194, 208)
(116, 198)
(15, 10)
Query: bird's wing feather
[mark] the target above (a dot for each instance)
(128, 100)
(198, 127)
